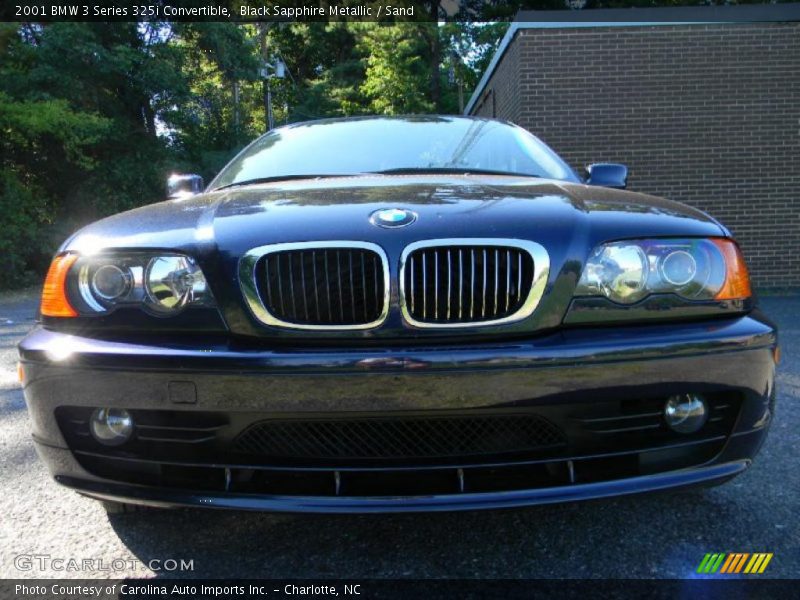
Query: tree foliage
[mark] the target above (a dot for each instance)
(396, 73)
(94, 116)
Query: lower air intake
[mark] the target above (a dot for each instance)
(400, 437)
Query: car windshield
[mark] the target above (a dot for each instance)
(374, 145)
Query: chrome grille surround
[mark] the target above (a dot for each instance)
(249, 284)
(541, 270)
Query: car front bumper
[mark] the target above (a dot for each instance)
(555, 375)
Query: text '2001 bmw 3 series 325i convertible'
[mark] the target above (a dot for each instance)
(398, 314)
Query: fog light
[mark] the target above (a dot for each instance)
(686, 413)
(111, 426)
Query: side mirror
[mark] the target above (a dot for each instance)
(183, 186)
(611, 175)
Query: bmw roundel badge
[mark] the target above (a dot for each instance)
(392, 217)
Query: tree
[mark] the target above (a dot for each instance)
(219, 111)
(94, 116)
(397, 73)
(325, 69)
(42, 144)
(467, 49)
(84, 108)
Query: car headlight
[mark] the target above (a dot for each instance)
(162, 284)
(694, 269)
(172, 282)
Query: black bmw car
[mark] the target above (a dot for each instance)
(398, 314)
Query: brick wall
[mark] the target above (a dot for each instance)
(708, 115)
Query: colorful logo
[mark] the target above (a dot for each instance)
(393, 217)
(734, 562)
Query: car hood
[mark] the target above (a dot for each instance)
(567, 219)
(240, 218)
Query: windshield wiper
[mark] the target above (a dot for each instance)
(450, 171)
(282, 178)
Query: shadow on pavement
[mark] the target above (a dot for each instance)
(559, 541)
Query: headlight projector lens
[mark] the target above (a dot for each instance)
(624, 273)
(111, 283)
(172, 282)
(686, 413)
(678, 268)
(111, 426)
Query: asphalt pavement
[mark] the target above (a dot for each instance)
(651, 536)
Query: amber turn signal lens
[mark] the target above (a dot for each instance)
(737, 279)
(54, 293)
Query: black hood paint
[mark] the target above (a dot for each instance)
(338, 208)
(567, 219)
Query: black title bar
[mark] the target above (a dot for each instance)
(367, 589)
(375, 10)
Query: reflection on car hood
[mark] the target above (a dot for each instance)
(551, 212)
